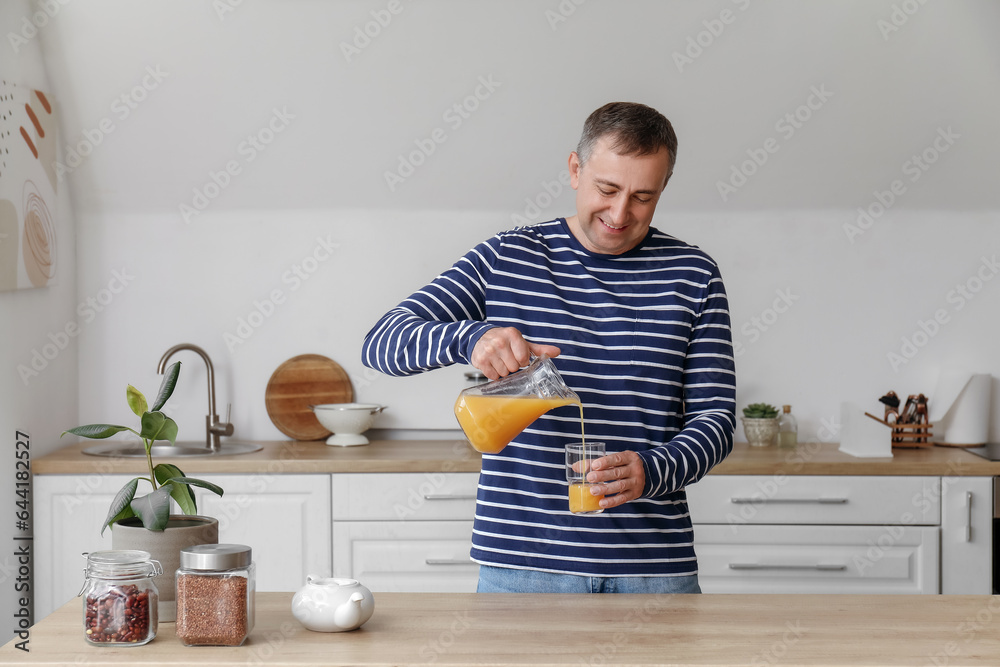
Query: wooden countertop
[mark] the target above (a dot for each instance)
(539, 629)
(824, 458)
(286, 456)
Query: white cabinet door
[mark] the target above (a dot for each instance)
(285, 519)
(814, 499)
(398, 556)
(432, 496)
(817, 559)
(68, 513)
(967, 535)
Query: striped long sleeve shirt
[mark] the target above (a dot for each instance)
(645, 342)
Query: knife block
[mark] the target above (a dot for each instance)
(911, 436)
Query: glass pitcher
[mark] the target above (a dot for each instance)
(492, 414)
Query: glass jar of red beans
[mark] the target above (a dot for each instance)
(119, 603)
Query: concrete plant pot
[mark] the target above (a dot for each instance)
(182, 531)
(760, 432)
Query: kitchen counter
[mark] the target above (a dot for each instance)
(286, 456)
(537, 629)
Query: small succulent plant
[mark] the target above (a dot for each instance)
(760, 411)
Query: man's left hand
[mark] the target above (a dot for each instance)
(621, 474)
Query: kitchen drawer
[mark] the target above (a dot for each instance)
(398, 556)
(432, 496)
(818, 559)
(810, 499)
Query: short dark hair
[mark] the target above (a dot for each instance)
(636, 129)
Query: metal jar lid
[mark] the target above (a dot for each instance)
(216, 557)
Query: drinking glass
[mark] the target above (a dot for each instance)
(579, 458)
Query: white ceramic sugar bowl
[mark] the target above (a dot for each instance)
(332, 604)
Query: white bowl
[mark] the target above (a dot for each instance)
(347, 421)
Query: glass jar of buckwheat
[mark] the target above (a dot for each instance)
(215, 595)
(119, 603)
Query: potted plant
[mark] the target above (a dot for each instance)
(760, 424)
(144, 522)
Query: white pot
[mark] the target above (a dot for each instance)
(332, 605)
(760, 432)
(182, 531)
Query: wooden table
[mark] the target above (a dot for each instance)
(471, 629)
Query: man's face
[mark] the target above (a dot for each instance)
(616, 196)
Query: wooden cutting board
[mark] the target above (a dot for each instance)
(308, 379)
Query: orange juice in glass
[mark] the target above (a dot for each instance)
(579, 458)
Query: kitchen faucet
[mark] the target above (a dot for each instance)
(214, 428)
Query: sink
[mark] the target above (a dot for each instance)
(136, 450)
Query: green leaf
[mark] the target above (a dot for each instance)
(182, 493)
(217, 490)
(153, 509)
(96, 431)
(136, 400)
(167, 386)
(169, 430)
(120, 505)
(152, 424)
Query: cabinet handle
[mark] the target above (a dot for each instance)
(968, 518)
(447, 496)
(449, 561)
(755, 500)
(780, 566)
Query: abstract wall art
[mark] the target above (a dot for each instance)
(28, 186)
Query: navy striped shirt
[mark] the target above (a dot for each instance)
(645, 342)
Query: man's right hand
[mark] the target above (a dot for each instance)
(503, 350)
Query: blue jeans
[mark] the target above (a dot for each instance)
(510, 580)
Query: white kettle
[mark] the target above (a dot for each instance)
(332, 604)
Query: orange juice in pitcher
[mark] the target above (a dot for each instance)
(490, 422)
(492, 414)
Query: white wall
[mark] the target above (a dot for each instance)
(40, 400)
(220, 77)
(886, 94)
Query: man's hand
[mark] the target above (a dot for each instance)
(621, 474)
(503, 350)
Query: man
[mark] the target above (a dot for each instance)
(640, 324)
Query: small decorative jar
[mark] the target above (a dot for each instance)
(215, 595)
(119, 604)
